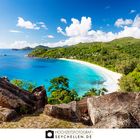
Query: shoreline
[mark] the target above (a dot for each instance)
(112, 78)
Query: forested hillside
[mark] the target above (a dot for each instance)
(120, 55)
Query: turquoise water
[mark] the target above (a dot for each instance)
(16, 66)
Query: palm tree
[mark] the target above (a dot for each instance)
(102, 91)
(91, 92)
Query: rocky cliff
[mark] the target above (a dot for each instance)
(115, 110)
(15, 101)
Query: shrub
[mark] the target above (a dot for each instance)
(24, 85)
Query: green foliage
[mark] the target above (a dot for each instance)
(60, 82)
(131, 82)
(95, 92)
(91, 92)
(127, 66)
(111, 55)
(120, 55)
(24, 84)
(38, 51)
(60, 92)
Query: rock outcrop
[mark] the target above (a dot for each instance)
(11, 101)
(14, 99)
(82, 111)
(73, 111)
(40, 97)
(115, 110)
(62, 111)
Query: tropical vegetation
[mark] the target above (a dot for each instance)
(60, 92)
(95, 92)
(120, 55)
(24, 84)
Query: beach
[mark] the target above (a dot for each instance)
(111, 78)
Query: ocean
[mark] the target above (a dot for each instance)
(16, 65)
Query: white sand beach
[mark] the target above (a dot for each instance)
(111, 83)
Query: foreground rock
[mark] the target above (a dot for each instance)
(39, 97)
(11, 101)
(62, 111)
(82, 111)
(7, 114)
(117, 120)
(115, 110)
(73, 111)
(19, 100)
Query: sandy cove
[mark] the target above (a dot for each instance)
(112, 78)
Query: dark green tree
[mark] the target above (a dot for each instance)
(130, 82)
(59, 83)
(60, 92)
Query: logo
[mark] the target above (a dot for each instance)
(69, 134)
(49, 134)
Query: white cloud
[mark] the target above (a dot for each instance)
(19, 44)
(132, 11)
(125, 22)
(60, 30)
(81, 31)
(43, 25)
(122, 22)
(26, 24)
(78, 28)
(63, 20)
(129, 32)
(29, 25)
(136, 22)
(15, 31)
(50, 36)
(22, 43)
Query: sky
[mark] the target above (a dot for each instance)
(56, 23)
